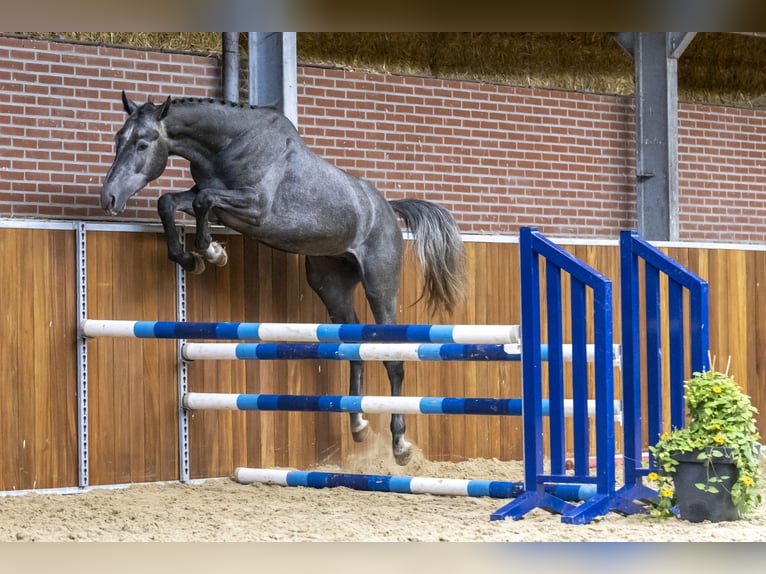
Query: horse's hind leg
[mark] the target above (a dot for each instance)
(381, 286)
(334, 280)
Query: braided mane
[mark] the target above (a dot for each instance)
(188, 101)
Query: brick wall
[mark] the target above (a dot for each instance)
(722, 174)
(60, 107)
(497, 156)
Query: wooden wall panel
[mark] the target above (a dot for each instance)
(133, 426)
(38, 381)
(737, 283)
(132, 387)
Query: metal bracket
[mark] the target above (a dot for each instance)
(183, 380)
(82, 365)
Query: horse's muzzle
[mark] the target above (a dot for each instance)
(109, 204)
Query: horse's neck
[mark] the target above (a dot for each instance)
(200, 131)
(196, 130)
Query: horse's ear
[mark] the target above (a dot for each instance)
(164, 109)
(127, 103)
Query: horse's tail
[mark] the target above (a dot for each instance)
(440, 251)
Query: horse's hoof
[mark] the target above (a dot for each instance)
(402, 452)
(360, 434)
(403, 458)
(216, 254)
(199, 264)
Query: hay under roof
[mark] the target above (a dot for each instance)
(718, 68)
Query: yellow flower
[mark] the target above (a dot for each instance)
(717, 389)
(652, 476)
(666, 493)
(719, 440)
(664, 436)
(717, 427)
(747, 481)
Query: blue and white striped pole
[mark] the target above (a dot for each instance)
(366, 352)
(371, 404)
(380, 483)
(304, 332)
(352, 351)
(405, 484)
(352, 404)
(465, 342)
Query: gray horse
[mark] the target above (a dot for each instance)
(254, 174)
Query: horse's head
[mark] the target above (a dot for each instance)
(142, 154)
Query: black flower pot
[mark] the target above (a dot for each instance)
(697, 505)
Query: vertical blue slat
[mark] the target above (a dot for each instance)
(631, 360)
(676, 351)
(602, 331)
(555, 368)
(580, 419)
(530, 356)
(653, 353)
(700, 325)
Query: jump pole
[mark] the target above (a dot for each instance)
(403, 484)
(304, 332)
(372, 351)
(370, 404)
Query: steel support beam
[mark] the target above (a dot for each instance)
(230, 71)
(273, 71)
(656, 67)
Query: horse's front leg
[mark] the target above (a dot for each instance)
(167, 206)
(227, 200)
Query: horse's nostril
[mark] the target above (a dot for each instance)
(108, 204)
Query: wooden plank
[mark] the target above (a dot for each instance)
(737, 318)
(756, 330)
(10, 378)
(233, 309)
(28, 389)
(38, 380)
(122, 377)
(266, 369)
(61, 342)
(218, 295)
(100, 353)
(251, 291)
(162, 376)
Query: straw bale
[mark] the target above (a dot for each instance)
(719, 68)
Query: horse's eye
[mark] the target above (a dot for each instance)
(142, 146)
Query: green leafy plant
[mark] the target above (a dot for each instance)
(721, 424)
